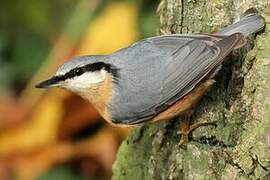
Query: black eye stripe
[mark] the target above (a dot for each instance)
(79, 71)
(97, 66)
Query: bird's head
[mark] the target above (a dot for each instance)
(80, 73)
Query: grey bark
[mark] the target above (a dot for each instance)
(239, 147)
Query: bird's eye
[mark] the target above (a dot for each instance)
(79, 71)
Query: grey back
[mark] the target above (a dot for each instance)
(157, 72)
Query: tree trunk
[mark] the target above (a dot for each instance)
(239, 147)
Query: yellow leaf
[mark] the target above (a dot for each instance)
(115, 28)
(39, 130)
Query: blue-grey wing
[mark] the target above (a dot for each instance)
(192, 62)
(159, 71)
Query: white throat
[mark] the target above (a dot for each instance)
(85, 81)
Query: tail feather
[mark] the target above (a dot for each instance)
(248, 25)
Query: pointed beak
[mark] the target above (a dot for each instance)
(52, 82)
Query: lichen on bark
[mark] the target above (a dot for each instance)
(239, 147)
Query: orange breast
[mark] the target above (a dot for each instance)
(100, 96)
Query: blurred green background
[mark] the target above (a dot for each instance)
(27, 32)
(55, 134)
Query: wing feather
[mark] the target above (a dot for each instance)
(188, 60)
(192, 60)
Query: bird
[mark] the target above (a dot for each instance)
(156, 78)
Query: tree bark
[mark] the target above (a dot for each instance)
(239, 147)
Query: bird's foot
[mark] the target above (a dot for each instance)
(186, 130)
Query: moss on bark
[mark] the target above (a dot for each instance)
(239, 148)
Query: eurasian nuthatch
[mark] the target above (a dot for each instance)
(156, 78)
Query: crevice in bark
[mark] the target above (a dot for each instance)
(232, 162)
(182, 16)
(211, 141)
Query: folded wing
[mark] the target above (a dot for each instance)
(191, 58)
